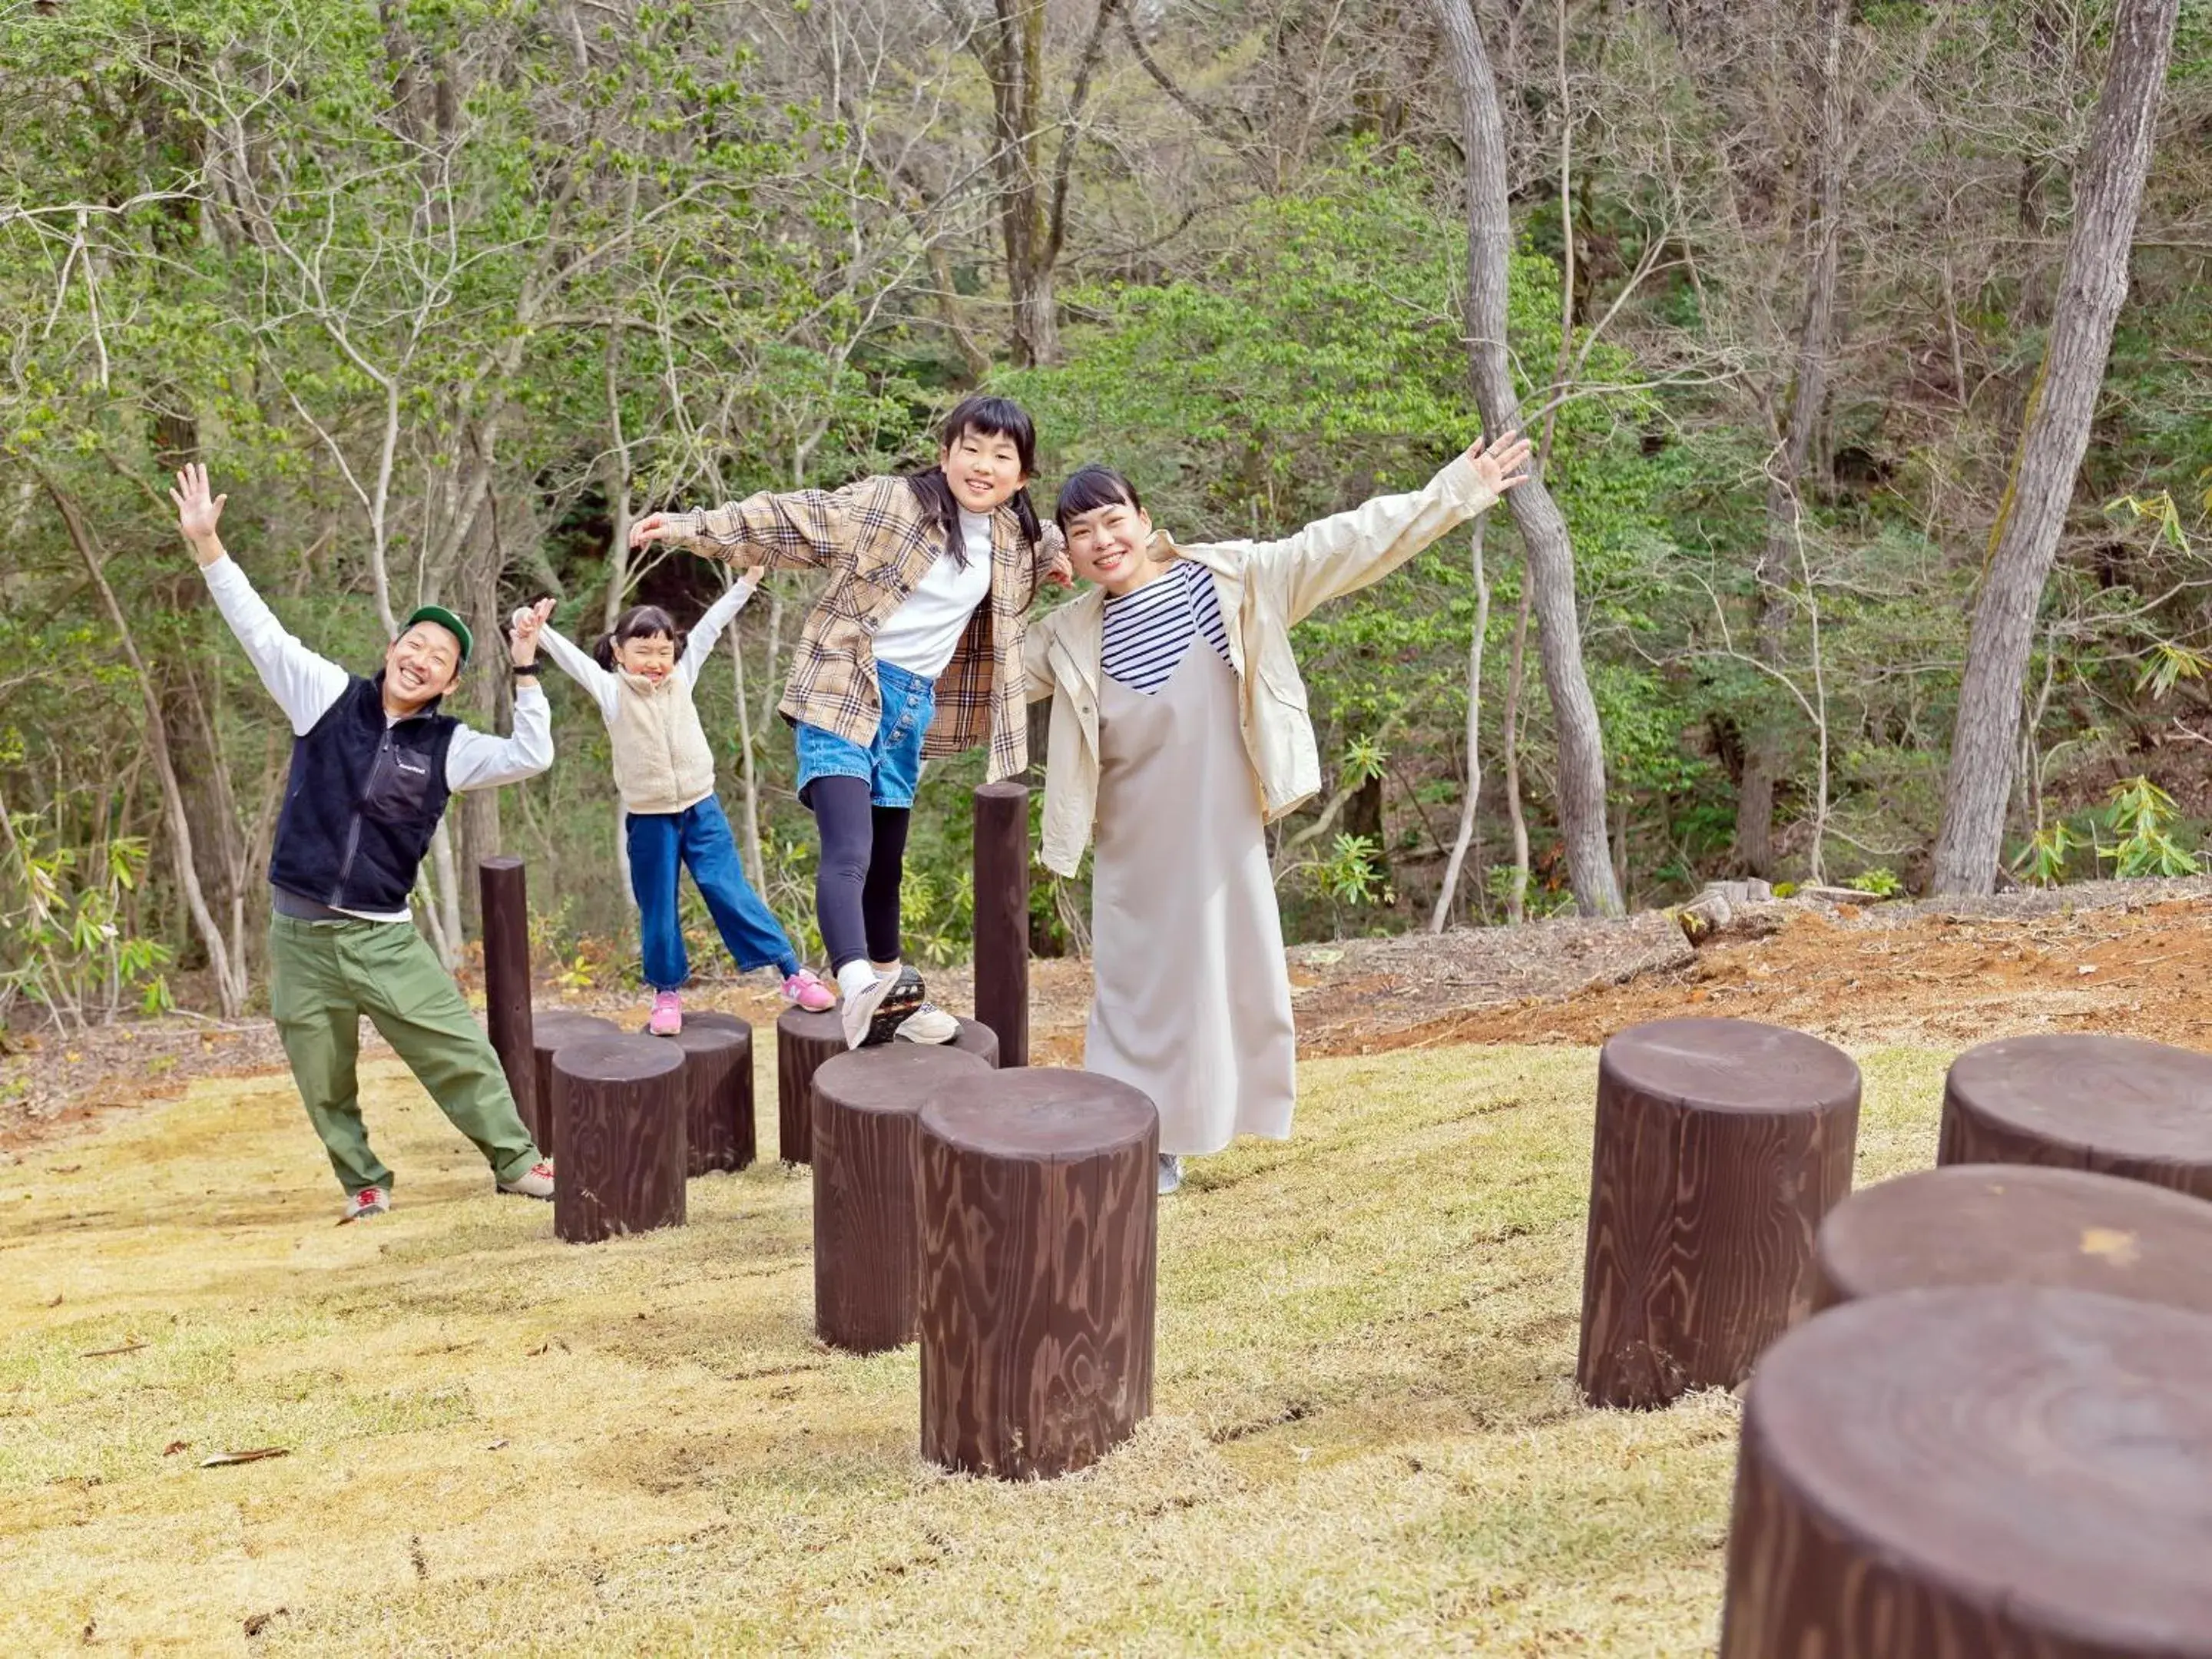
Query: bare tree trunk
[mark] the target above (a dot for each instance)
(2107, 192)
(1517, 816)
(1471, 797)
(229, 973)
(1822, 246)
(1551, 579)
(748, 772)
(1014, 55)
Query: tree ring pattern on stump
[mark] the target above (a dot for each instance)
(2117, 1105)
(1731, 1066)
(549, 1029)
(2009, 1224)
(2011, 1471)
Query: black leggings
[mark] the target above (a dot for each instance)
(856, 886)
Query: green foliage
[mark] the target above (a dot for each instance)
(1879, 883)
(2042, 862)
(2141, 817)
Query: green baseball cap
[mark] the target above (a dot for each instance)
(446, 620)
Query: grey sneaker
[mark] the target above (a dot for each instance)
(535, 1182)
(929, 1024)
(368, 1203)
(876, 1014)
(1170, 1173)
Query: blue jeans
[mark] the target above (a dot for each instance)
(661, 846)
(891, 764)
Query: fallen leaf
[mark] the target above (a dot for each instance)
(102, 1353)
(224, 1460)
(496, 1445)
(176, 1446)
(259, 1621)
(64, 1169)
(55, 1303)
(2086, 968)
(2117, 1247)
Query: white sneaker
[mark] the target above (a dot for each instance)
(876, 1013)
(929, 1024)
(535, 1182)
(1170, 1173)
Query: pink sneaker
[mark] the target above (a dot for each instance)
(667, 1014)
(805, 989)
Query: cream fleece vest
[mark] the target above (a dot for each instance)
(662, 759)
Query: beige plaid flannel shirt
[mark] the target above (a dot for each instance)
(873, 539)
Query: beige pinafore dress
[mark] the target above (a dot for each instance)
(1192, 1002)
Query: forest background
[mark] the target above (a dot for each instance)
(445, 293)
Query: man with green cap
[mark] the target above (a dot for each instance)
(374, 763)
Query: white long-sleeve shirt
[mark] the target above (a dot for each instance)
(603, 687)
(921, 635)
(305, 686)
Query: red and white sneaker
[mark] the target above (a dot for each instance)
(667, 1014)
(535, 1182)
(366, 1203)
(804, 990)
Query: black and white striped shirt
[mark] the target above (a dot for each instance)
(1148, 631)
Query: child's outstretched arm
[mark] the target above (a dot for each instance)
(304, 684)
(482, 759)
(1338, 556)
(578, 666)
(707, 633)
(798, 530)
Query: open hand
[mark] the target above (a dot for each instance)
(1057, 571)
(653, 527)
(197, 515)
(528, 623)
(1503, 464)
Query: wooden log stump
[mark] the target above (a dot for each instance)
(1721, 1145)
(867, 1219)
(2002, 1473)
(802, 1041)
(505, 906)
(2117, 1105)
(718, 1085)
(1002, 917)
(552, 1029)
(1993, 1223)
(620, 1114)
(1039, 1208)
(978, 1039)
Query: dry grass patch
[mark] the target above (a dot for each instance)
(1366, 1440)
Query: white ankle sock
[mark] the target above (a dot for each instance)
(855, 976)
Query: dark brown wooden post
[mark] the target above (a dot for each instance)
(619, 1112)
(867, 1222)
(1002, 917)
(549, 1030)
(2117, 1105)
(1721, 1145)
(1039, 1208)
(2001, 1472)
(718, 1085)
(506, 907)
(978, 1039)
(1995, 1224)
(802, 1041)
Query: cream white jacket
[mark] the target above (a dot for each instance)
(1264, 588)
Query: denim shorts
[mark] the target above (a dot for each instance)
(891, 764)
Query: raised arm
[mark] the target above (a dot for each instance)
(708, 632)
(304, 684)
(478, 760)
(1341, 555)
(598, 684)
(798, 530)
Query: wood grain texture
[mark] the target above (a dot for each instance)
(802, 1041)
(1002, 917)
(2116, 1105)
(1721, 1146)
(867, 1218)
(1039, 1215)
(505, 906)
(718, 1089)
(2002, 1473)
(551, 1029)
(620, 1113)
(1993, 1223)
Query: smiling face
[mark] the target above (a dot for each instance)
(984, 469)
(1108, 546)
(649, 656)
(420, 666)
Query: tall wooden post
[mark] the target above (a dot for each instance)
(1002, 917)
(507, 979)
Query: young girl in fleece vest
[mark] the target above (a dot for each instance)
(664, 774)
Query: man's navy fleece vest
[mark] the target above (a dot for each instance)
(362, 802)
